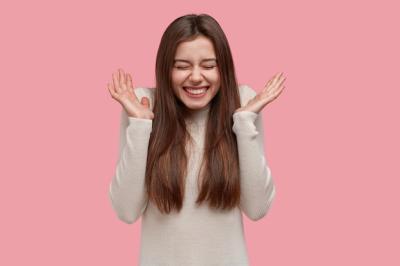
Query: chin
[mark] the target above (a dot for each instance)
(196, 108)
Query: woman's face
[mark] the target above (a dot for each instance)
(195, 67)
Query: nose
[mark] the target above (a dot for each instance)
(195, 75)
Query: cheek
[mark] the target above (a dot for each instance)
(176, 82)
(214, 77)
(177, 77)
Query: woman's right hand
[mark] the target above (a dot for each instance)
(122, 91)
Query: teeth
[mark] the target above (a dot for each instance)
(195, 91)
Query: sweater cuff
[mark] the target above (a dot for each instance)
(142, 125)
(244, 123)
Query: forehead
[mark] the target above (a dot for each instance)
(198, 50)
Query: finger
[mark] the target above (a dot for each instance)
(269, 83)
(145, 101)
(280, 82)
(121, 76)
(129, 81)
(277, 88)
(277, 93)
(111, 90)
(277, 78)
(277, 82)
(271, 79)
(130, 86)
(116, 82)
(122, 83)
(269, 92)
(267, 86)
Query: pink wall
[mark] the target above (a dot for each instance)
(331, 136)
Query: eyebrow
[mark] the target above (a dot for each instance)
(187, 61)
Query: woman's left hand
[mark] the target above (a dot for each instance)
(271, 91)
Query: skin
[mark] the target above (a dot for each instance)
(194, 72)
(271, 91)
(122, 91)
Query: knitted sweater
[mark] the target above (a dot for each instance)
(196, 235)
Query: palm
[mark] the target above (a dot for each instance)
(122, 91)
(270, 92)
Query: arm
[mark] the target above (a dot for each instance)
(127, 189)
(257, 187)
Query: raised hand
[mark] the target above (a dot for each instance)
(122, 91)
(271, 91)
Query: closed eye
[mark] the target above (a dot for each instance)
(207, 67)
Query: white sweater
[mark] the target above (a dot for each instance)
(196, 235)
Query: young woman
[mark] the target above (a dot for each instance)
(192, 151)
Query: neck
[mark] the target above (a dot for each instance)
(199, 114)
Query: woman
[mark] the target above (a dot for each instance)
(192, 151)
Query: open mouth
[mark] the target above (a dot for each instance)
(196, 92)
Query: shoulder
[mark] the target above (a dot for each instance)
(145, 92)
(246, 94)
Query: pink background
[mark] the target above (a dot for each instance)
(331, 136)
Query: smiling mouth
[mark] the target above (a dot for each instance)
(196, 91)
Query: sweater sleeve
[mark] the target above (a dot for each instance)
(257, 186)
(127, 191)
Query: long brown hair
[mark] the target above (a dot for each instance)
(167, 159)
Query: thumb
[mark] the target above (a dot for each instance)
(145, 102)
